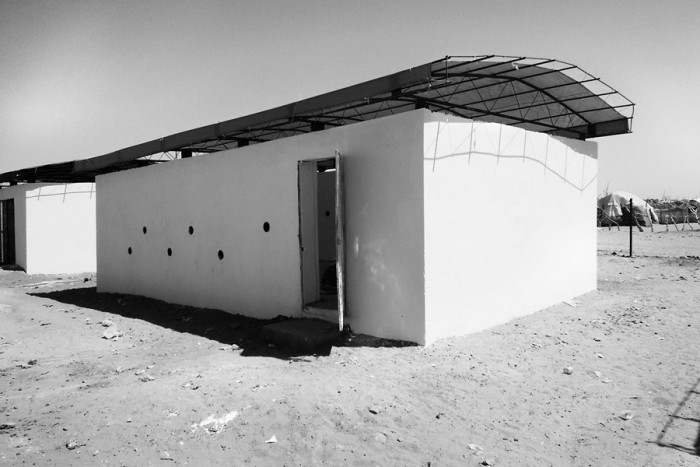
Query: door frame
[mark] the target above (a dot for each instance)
(303, 202)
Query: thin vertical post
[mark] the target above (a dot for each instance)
(631, 224)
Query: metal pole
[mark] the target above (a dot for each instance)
(631, 224)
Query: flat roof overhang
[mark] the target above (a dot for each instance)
(541, 95)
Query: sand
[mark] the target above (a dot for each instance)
(611, 378)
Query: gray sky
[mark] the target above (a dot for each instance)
(83, 78)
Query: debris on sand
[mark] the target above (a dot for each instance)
(29, 364)
(213, 424)
(7, 426)
(112, 334)
(626, 415)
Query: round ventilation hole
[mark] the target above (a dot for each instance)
(191, 230)
(145, 230)
(328, 213)
(129, 250)
(266, 226)
(221, 255)
(170, 251)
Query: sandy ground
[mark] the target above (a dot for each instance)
(186, 386)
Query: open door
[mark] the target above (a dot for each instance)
(340, 237)
(321, 239)
(7, 232)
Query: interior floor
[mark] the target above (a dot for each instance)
(326, 308)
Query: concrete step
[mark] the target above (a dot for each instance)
(301, 334)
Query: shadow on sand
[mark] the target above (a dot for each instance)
(217, 325)
(682, 422)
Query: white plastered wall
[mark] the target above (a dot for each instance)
(509, 223)
(60, 228)
(226, 198)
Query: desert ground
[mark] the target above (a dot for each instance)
(611, 378)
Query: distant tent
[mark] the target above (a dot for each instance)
(678, 211)
(614, 209)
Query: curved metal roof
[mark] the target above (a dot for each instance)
(540, 95)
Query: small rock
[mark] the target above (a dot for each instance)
(95, 453)
(235, 347)
(380, 438)
(568, 370)
(29, 364)
(146, 378)
(488, 462)
(72, 444)
(599, 355)
(107, 323)
(475, 447)
(606, 380)
(8, 426)
(597, 374)
(272, 440)
(373, 410)
(165, 456)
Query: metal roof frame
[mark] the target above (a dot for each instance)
(543, 95)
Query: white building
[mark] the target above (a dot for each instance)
(429, 194)
(48, 228)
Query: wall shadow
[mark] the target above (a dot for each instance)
(693, 394)
(220, 326)
(582, 148)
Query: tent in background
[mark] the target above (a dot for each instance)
(614, 209)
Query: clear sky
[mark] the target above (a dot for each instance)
(83, 78)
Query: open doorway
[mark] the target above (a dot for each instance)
(7, 232)
(321, 238)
